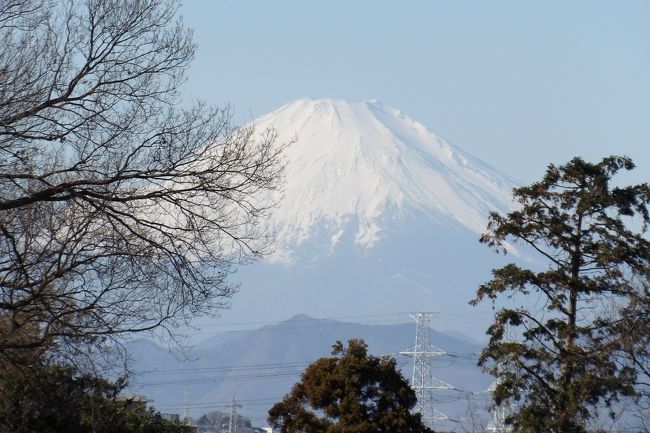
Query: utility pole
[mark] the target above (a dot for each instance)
(232, 422)
(423, 382)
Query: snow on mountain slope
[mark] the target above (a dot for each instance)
(367, 164)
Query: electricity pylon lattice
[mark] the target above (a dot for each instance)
(186, 398)
(501, 411)
(232, 422)
(499, 414)
(423, 382)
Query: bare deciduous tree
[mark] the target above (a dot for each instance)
(120, 210)
(475, 419)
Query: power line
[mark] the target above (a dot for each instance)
(241, 377)
(231, 368)
(238, 367)
(260, 376)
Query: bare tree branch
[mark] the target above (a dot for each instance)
(120, 210)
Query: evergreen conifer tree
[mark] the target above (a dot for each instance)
(571, 357)
(349, 392)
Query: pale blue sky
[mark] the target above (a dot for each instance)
(517, 83)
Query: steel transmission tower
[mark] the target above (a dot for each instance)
(232, 422)
(187, 406)
(502, 411)
(499, 414)
(423, 382)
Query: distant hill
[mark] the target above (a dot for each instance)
(258, 367)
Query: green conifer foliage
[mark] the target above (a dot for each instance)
(568, 356)
(56, 399)
(351, 392)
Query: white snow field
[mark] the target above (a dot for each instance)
(367, 162)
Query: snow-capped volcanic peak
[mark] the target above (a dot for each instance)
(368, 163)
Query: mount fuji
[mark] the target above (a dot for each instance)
(379, 215)
(367, 162)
